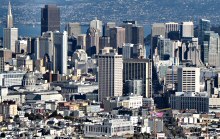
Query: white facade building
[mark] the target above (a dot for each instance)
(11, 78)
(187, 29)
(109, 128)
(188, 79)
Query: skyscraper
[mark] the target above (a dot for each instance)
(73, 29)
(158, 29)
(97, 25)
(10, 33)
(60, 52)
(172, 30)
(211, 48)
(5, 56)
(81, 41)
(187, 29)
(117, 37)
(106, 29)
(128, 31)
(204, 25)
(138, 35)
(110, 73)
(50, 18)
(139, 69)
(92, 41)
(9, 17)
(104, 42)
(53, 45)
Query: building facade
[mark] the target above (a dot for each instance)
(139, 69)
(188, 79)
(110, 73)
(50, 18)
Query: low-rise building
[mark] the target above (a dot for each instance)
(126, 102)
(190, 100)
(8, 109)
(108, 128)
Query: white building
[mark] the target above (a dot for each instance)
(96, 24)
(158, 29)
(188, 79)
(108, 128)
(54, 45)
(11, 78)
(10, 33)
(10, 36)
(130, 102)
(187, 29)
(73, 29)
(110, 73)
(21, 46)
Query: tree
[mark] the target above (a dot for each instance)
(39, 116)
(3, 135)
(54, 114)
(16, 118)
(26, 115)
(32, 117)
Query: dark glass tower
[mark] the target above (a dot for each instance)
(50, 18)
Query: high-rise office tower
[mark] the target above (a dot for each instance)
(165, 48)
(104, 42)
(127, 51)
(172, 30)
(204, 25)
(188, 79)
(60, 52)
(130, 22)
(117, 37)
(133, 87)
(50, 18)
(72, 45)
(73, 29)
(139, 69)
(106, 29)
(92, 41)
(187, 29)
(10, 33)
(9, 17)
(211, 49)
(5, 56)
(171, 26)
(21, 46)
(139, 51)
(128, 31)
(44, 45)
(110, 73)
(97, 25)
(53, 46)
(81, 41)
(138, 35)
(158, 29)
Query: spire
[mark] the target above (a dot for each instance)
(9, 17)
